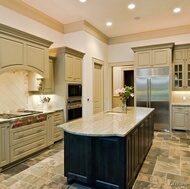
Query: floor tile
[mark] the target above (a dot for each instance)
(167, 166)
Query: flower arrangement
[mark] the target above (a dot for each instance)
(44, 99)
(125, 93)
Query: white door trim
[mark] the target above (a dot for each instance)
(101, 63)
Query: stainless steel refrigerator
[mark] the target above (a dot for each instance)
(152, 90)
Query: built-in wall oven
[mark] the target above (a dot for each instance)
(74, 101)
(74, 109)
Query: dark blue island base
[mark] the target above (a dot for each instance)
(107, 162)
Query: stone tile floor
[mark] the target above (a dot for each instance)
(167, 166)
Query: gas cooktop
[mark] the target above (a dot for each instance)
(18, 114)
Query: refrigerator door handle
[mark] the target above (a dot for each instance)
(147, 101)
(150, 93)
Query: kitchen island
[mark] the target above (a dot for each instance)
(107, 149)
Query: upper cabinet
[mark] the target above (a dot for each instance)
(153, 56)
(73, 68)
(181, 67)
(20, 50)
(38, 84)
(71, 61)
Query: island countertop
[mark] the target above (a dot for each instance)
(108, 123)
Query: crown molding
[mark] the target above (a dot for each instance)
(87, 27)
(150, 35)
(26, 10)
(12, 32)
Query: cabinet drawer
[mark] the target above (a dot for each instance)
(28, 147)
(58, 134)
(26, 133)
(58, 116)
(180, 108)
(57, 122)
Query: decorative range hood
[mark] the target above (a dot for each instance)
(21, 50)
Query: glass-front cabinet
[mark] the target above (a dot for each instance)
(181, 67)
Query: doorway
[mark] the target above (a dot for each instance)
(97, 86)
(128, 78)
(121, 76)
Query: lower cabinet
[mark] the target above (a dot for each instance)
(4, 144)
(107, 162)
(20, 142)
(180, 118)
(57, 120)
(50, 130)
(27, 140)
(78, 158)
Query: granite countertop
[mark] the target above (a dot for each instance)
(42, 111)
(108, 123)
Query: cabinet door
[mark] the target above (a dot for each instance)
(4, 144)
(50, 130)
(141, 143)
(178, 76)
(135, 152)
(77, 69)
(180, 120)
(187, 75)
(187, 55)
(78, 158)
(178, 56)
(37, 58)
(161, 57)
(69, 59)
(143, 59)
(12, 53)
(109, 167)
(48, 83)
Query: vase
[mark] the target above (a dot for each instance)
(124, 105)
(45, 106)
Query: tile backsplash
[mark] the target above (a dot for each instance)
(181, 97)
(14, 93)
(13, 90)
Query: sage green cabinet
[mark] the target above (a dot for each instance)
(180, 117)
(37, 84)
(20, 50)
(181, 67)
(73, 68)
(4, 144)
(57, 120)
(50, 129)
(153, 55)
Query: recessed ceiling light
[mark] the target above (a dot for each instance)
(109, 24)
(82, 1)
(176, 10)
(131, 6)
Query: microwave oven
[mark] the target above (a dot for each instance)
(74, 90)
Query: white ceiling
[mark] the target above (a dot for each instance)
(154, 14)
